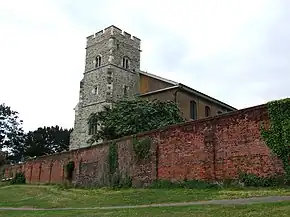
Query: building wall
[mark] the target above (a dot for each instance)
(207, 149)
(161, 95)
(183, 100)
(148, 84)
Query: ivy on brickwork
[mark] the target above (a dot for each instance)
(133, 116)
(113, 158)
(69, 168)
(142, 147)
(116, 179)
(277, 137)
(19, 178)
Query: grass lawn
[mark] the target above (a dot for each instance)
(264, 210)
(43, 196)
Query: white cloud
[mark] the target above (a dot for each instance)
(237, 51)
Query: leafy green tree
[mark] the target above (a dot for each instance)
(132, 116)
(45, 141)
(2, 158)
(11, 132)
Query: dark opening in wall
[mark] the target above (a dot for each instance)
(193, 110)
(207, 111)
(98, 61)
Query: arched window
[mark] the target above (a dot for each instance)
(95, 90)
(193, 111)
(207, 111)
(98, 61)
(125, 62)
(125, 90)
(219, 112)
(92, 129)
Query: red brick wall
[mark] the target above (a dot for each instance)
(93, 162)
(208, 149)
(217, 148)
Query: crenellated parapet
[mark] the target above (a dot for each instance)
(113, 31)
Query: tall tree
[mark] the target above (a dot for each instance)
(46, 140)
(132, 116)
(11, 132)
(2, 158)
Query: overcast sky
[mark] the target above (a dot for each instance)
(237, 51)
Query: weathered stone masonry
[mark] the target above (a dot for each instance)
(104, 83)
(207, 149)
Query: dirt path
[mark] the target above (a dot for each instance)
(242, 201)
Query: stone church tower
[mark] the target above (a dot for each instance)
(111, 73)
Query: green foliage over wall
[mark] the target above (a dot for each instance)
(116, 179)
(277, 137)
(142, 147)
(133, 116)
(113, 158)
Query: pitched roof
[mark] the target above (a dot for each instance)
(185, 88)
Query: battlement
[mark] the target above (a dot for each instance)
(113, 31)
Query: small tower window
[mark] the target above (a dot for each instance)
(207, 111)
(125, 62)
(125, 90)
(109, 77)
(193, 111)
(98, 61)
(95, 90)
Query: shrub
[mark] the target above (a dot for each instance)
(64, 186)
(113, 158)
(189, 184)
(199, 184)
(2, 175)
(132, 116)
(256, 181)
(118, 181)
(19, 178)
(125, 182)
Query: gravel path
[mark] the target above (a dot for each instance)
(242, 201)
